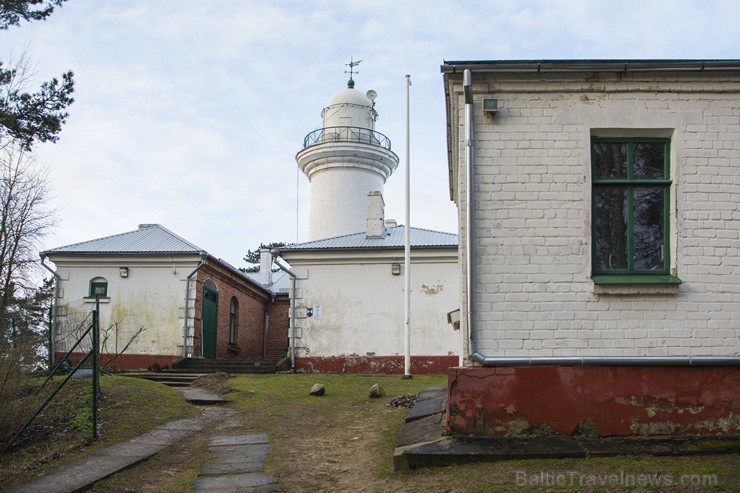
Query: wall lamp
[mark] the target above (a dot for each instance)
(123, 271)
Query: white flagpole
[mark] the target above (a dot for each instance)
(407, 234)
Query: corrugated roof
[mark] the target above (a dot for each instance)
(149, 238)
(394, 238)
(280, 281)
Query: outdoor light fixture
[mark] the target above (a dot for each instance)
(490, 106)
(396, 269)
(123, 271)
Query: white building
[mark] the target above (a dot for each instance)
(345, 160)
(600, 226)
(349, 294)
(161, 299)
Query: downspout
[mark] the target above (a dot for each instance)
(275, 254)
(469, 202)
(54, 309)
(484, 360)
(203, 256)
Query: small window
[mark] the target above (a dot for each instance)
(630, 218)
(98, 288)
(233, 312)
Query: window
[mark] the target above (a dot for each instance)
(630, 218)
(98, 287)
(233, 309)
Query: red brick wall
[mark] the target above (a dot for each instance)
(610, 400)
(126, 361)
(379, 365)
(277, 333)
(252, 302)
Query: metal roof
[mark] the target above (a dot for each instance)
(280, 281)
(149, 238)
(603, 65)
(394, 238)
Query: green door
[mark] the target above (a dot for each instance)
(210, 321)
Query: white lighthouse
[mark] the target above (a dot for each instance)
(345, 160)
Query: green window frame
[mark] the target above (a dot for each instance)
(233, 319)
(630, 199)
(98, 287)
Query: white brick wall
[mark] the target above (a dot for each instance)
(533, 226)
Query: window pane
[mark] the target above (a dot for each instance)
(609, 160)
(648, 228)
(649, 160)
(610, 228)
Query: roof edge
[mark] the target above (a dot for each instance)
(590, 65)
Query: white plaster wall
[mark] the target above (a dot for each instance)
(362, 309)
(533, 225)
(339, 201)
(151, 296)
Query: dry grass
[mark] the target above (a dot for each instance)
(62, 433)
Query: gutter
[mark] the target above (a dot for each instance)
(474, 354)
(276, 257)
(54, 309)
(606, 360)
(203, 257)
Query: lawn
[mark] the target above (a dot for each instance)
(342, 441)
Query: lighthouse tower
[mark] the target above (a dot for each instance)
(345, 160)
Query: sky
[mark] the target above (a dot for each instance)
(189, 113)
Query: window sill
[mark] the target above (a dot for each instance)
(636, 284)
(92, 300)
(635, 279)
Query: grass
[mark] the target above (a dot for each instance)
(313, 447)
(344, 441)
(129, 407)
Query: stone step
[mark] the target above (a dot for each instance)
(203, 365)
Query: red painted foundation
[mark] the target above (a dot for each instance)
(388, 365)
(127, 361)
(595, 400)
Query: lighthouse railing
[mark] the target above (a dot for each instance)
(346, 134)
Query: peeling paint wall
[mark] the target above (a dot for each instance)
(151, 296)
(594, 401)
(350, 309)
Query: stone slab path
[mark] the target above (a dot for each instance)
(84, 472)
(236, 463)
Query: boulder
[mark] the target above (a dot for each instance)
(317, 389)
(376, 391)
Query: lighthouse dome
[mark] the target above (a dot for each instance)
(349, 108)
(349, 96)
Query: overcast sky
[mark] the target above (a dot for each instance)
(189, 113)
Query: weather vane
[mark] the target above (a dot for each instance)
(352, 64)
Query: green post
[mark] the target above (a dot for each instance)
(95, 375)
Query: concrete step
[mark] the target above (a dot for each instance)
(203, 365)
(170, 378)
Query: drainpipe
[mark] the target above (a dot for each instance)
(276, 258)
(469, 202)
(203, 256)
(470, 286)
(54, 308)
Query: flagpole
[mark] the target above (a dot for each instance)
(407, 249)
